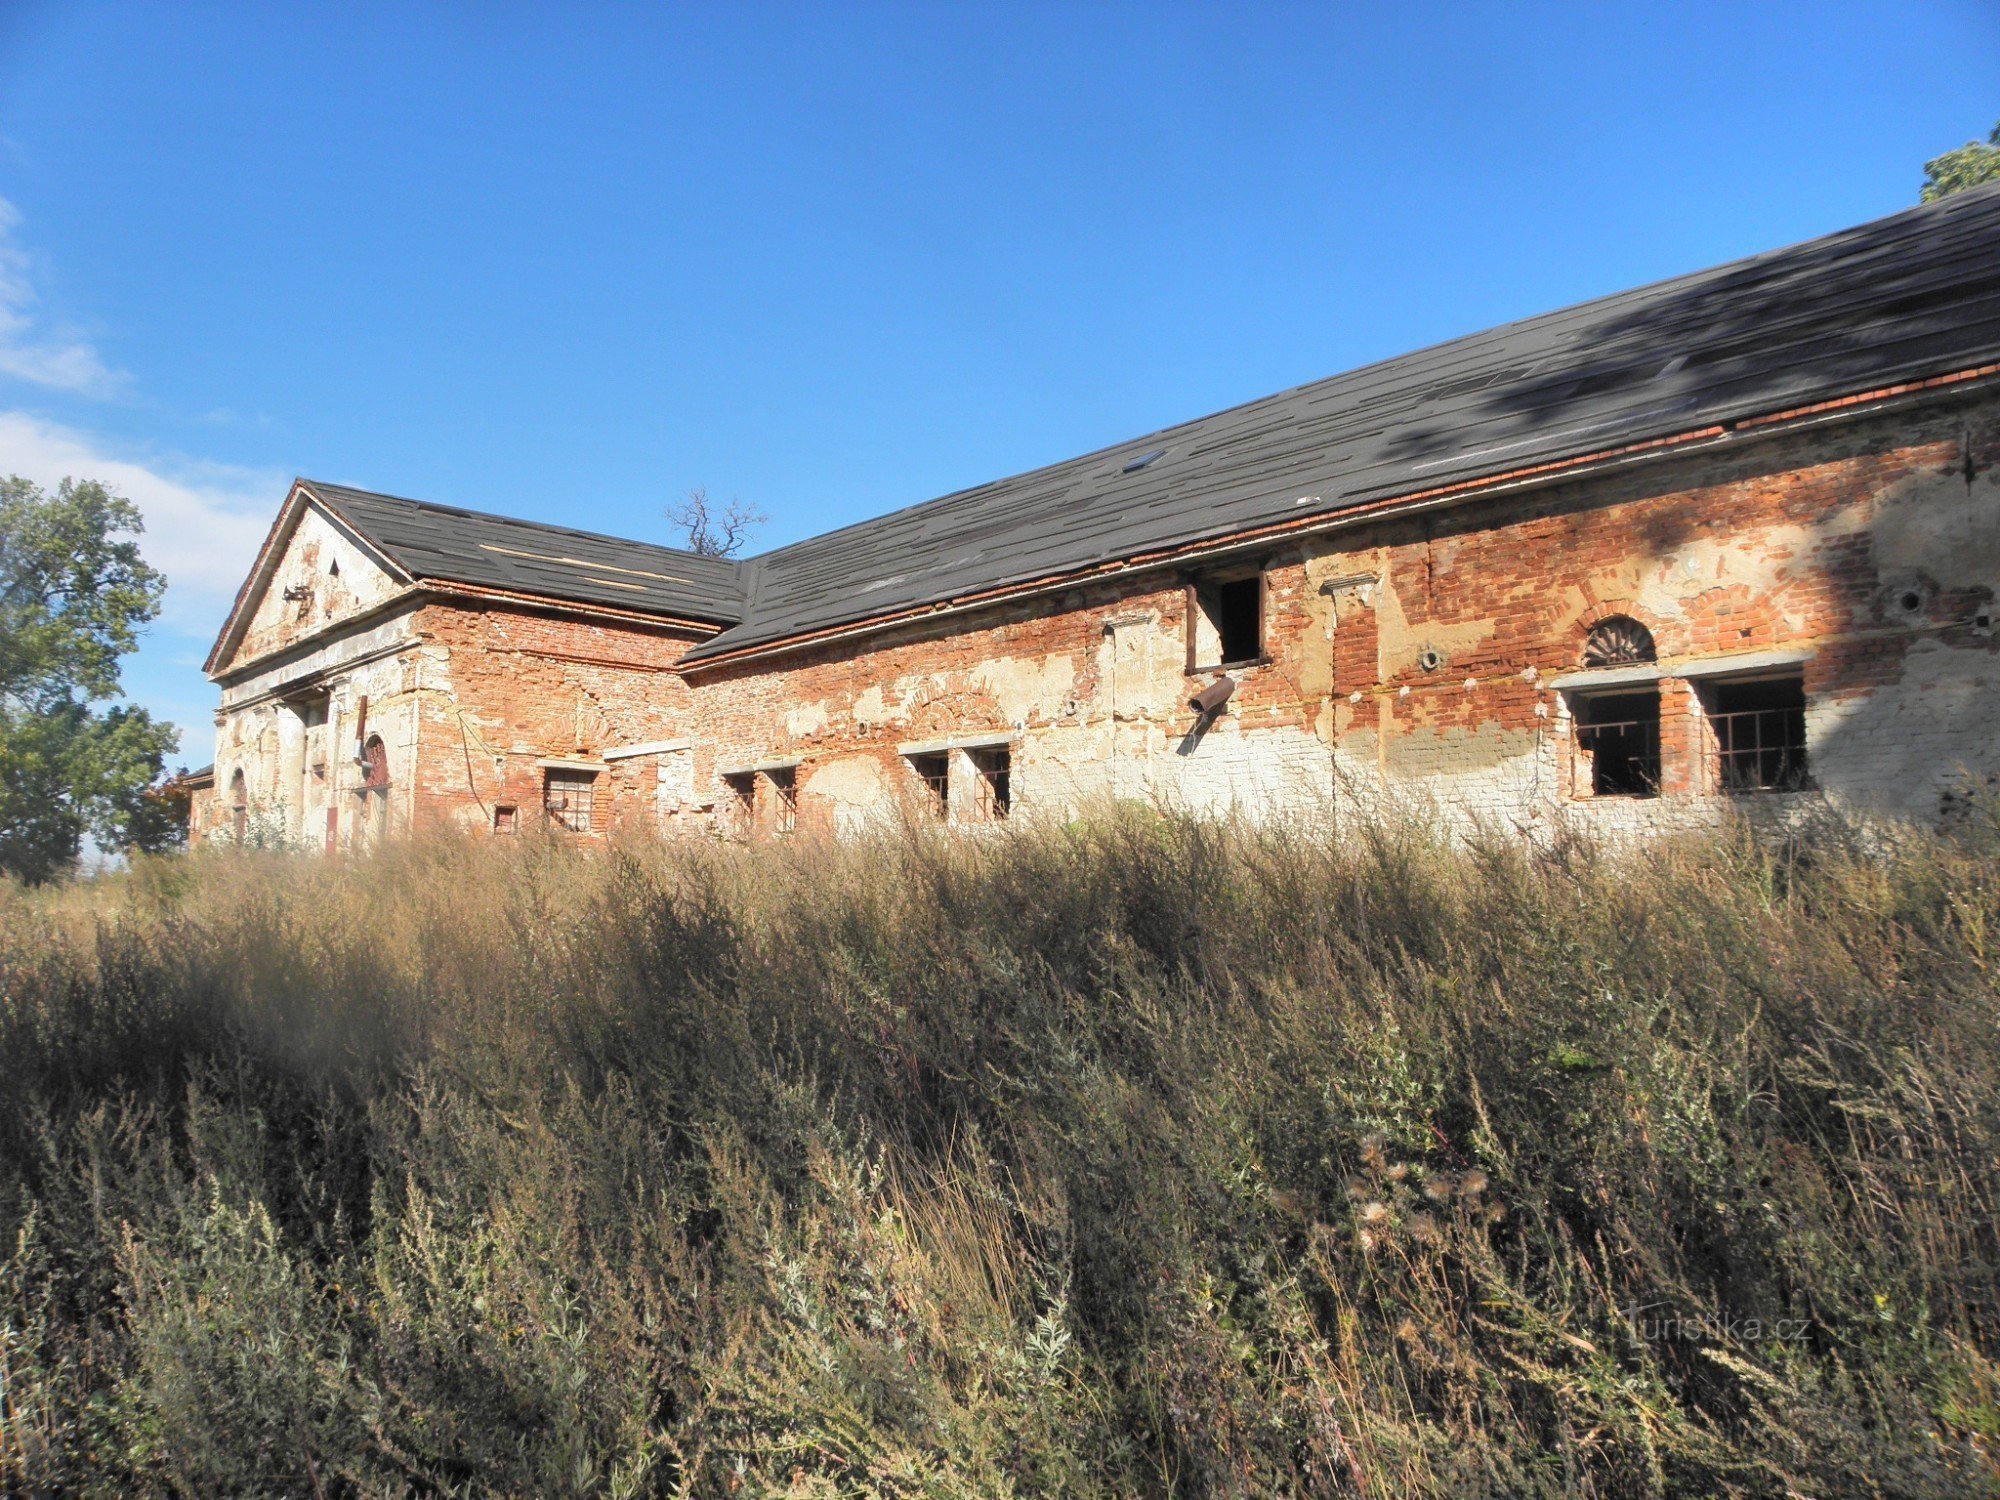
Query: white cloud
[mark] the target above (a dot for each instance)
(30, 351)
(204, 521)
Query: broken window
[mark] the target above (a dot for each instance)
(784, 783)
(741, 804)
(1757, 734)
(569, 797)
(993, 766)
(933, 769)
(1619, 735)
(506, 818)
(1225, 625)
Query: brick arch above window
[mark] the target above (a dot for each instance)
(1617, 641)
(1669, 636)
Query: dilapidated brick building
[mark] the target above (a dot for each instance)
(1734, 535)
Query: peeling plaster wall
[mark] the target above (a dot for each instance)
(330, 580)
(1806, 545)
(295, 776)
(1091, 687)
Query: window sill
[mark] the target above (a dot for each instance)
(1229, 666)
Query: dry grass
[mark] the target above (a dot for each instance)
(1138, 1157)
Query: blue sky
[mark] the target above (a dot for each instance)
(567, 261)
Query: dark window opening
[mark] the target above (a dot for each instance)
(994, 765)
(1225, 621)
(1757, 735)
(784, 798)
(569, 798)
(506, 819)
(239, 807)
(933, 769)
(1620, 732)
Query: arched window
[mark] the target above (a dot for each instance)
(1618, 641)
(239, 806)
(374, 764)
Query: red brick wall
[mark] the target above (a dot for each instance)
(503, 688)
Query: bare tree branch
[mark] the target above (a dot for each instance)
(714, 529)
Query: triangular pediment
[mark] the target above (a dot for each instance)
(313, 575)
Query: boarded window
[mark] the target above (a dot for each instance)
(569, 797)
(993, 766)
(1757, 735)
(1225, 620)
(1619, 736)
(933, 768)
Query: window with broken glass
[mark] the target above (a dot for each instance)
(1619, 735)
(1756, 740)
(784, 784)
(992, 766)
(569, 798)
(933, 769)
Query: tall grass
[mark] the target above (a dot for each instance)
(1138, 1157)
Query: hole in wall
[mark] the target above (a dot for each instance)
(1909, 599)
(1429, 659)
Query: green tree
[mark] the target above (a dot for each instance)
(1968, 166)
(73, 593)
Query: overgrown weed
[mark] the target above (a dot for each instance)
(1141, 1156)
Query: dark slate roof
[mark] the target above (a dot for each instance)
(555, 562)
(1909, 296)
